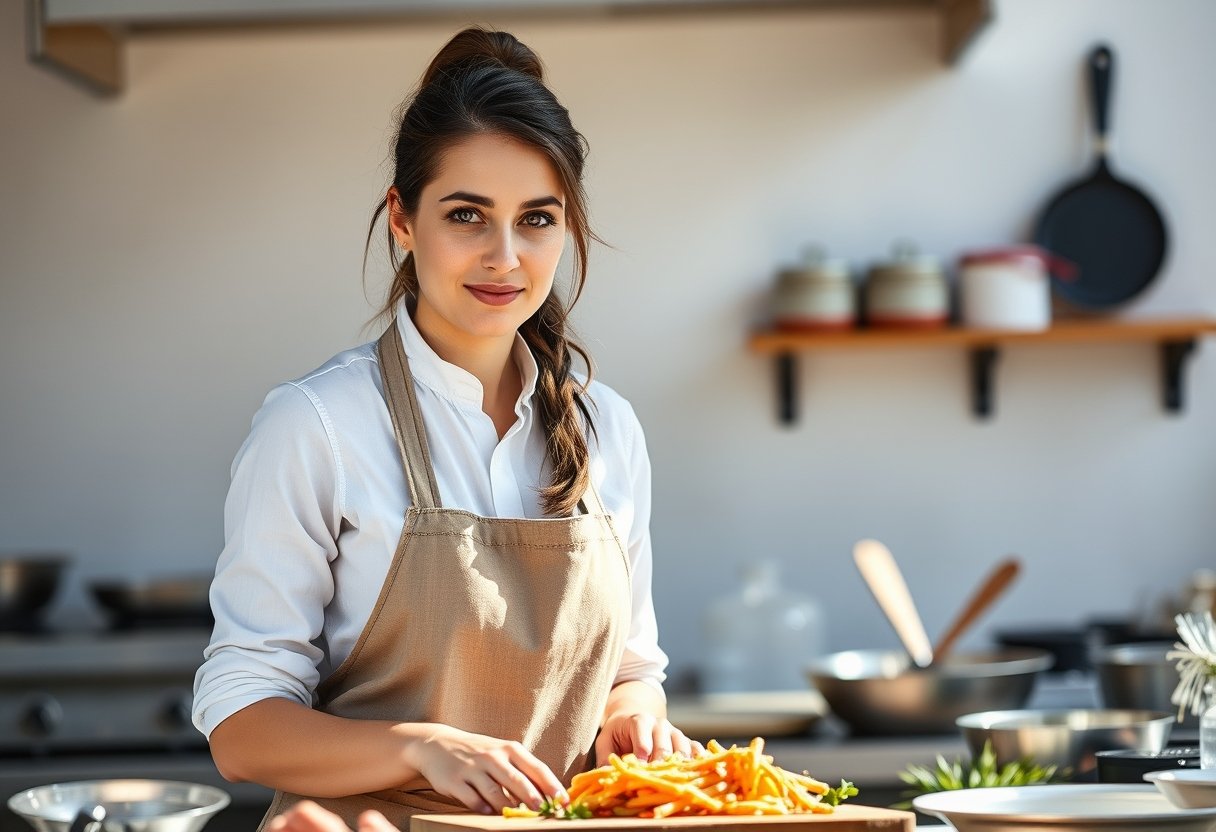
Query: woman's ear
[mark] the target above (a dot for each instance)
(398, 221)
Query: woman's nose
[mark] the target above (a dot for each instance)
(501, 255)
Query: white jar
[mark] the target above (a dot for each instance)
(1006, 288)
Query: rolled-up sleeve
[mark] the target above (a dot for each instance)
(273, 578)
(643, 659)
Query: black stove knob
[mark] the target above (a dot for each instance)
(177, 714)
(43, 717)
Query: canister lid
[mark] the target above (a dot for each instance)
(816, 266)
(1021, 255)
(907, 262)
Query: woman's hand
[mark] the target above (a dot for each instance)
(483, 773)
(645, 735)
(307, 816)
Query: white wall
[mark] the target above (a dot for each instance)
(168, 256)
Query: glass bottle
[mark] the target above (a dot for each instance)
(761, 637)
(1207, 729)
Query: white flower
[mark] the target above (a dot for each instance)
(1196, 657)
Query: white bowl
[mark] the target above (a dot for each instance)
(1108, 807)
(1187, 788)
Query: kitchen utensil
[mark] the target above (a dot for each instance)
(1068, 738)
(1080, 806)
(161, 600)
(1190, 788)
(129, 805)
(993, 587)
(1124, 766)
(881, 574)
(1109, 228)
(817, 296)
(846, 818)
(746, 715)
(907, 292)
(1139, 676)
(880, 692)
(27, 585)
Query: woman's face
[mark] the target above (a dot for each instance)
(486, 238)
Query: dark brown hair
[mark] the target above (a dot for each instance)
(487, 82)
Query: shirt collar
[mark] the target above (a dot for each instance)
(453, 382)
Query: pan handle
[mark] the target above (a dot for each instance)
(1101, 72)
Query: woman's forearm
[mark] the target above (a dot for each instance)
(285, 745)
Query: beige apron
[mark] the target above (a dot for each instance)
(510, 628)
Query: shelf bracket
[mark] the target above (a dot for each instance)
(983, 367)
(88, 55)
(787, 373)
(1174, 355)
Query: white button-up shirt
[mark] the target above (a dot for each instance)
(318, 495)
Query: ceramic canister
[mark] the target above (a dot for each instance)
(908, 291)
(1006, 288)
(815, 296)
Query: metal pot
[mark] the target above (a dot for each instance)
(130, 805)
(1069, 739)
(1139, 676)
(155, 601)
(27, 585)
(878, 692)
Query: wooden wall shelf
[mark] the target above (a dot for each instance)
(1175, 337)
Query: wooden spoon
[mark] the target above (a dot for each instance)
(993, 587)
(881, 574)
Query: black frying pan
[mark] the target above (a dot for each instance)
(1110, 229)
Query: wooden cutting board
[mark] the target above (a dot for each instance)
(845, 819)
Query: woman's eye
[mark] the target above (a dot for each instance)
(463, 216)
(539, 220)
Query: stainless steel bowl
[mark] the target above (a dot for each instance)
(1139, 677)
(27, 584)
(131, 805)
(1068, 739)
(879, 692)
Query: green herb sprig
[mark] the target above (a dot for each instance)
(551, 808)
(982, 772)
(834, 797)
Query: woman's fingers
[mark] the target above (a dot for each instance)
(307, 816)
(640, 736)
(536, 778)
(661, 739)
(373, 821)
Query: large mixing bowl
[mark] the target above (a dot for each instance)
(880, 692)
(1068, 739)
(130, 805)
(1138, 676)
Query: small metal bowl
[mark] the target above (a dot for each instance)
(879, 692)
(131, 805)
(1068, 739)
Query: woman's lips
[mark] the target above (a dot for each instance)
(494, 294)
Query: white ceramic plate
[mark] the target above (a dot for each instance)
(745, 715)
(1186, 788)
(1105, 807)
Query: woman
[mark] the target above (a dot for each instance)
(435, 589)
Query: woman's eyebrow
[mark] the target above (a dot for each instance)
(486, 202)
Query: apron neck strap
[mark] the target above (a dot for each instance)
(407, 419)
